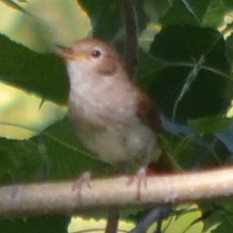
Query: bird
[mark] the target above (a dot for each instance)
(111, 115)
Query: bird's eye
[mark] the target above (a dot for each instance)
(96, 53)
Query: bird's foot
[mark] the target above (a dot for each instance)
(84, 179)
(141, 179)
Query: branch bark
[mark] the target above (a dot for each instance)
(58, 198)
(131, 31)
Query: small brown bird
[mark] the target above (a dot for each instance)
(111, 115)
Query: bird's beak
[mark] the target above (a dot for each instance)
(68, 54)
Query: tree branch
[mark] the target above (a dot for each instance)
(131, 30)
(58, 198)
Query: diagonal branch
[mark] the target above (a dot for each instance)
(58, 198)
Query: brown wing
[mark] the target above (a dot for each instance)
(149, 113)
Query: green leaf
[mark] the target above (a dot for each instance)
(190, 79)
(42, 74)
(228, 3)
(54, 154)
(210, 125)
(183, 149)
(216, 11)
(186, 12)
(14, 6)
(209, 91)
(107, 18)
(218, 217)
(148, 65)
(190, 151)
(43, 224)
(156, 9)
(229, 50)
(227, 139)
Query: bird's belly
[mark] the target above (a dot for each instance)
(120, 143)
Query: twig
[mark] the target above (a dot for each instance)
(157, 214)
(112, 222)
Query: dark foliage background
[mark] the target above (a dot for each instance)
(187, 70)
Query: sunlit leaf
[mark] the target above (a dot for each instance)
(14, 6)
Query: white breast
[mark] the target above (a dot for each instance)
(107, 124)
